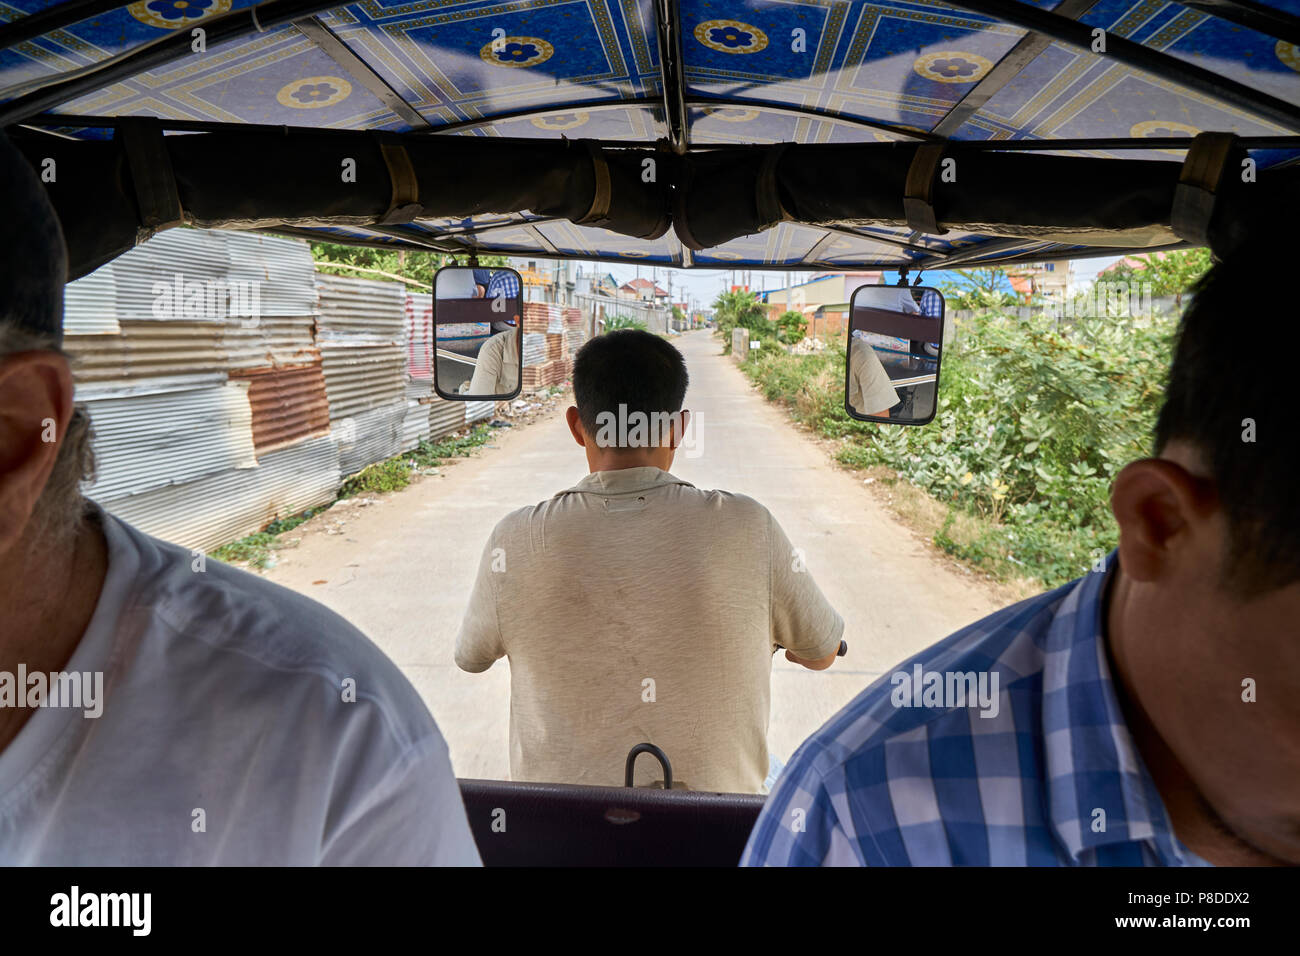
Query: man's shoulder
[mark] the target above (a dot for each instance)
(899, 769)
(262, 635)
(973, 681)
(683, 494)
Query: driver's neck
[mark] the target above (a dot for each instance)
(618, 459)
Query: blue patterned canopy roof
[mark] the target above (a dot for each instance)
(748, 72)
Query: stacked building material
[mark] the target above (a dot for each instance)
(546, 353)
(541, 376)
(534, 348)
(555, 346)
(575, 334)
(543, 317)
(195, 356)
(361, 334)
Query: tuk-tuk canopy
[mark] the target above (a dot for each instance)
(832, 134)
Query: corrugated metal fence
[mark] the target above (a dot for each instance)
(230, 385)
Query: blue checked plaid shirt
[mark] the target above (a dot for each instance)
(883, 785)
(931, 304)
(504, 283)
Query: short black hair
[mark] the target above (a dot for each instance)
(628, 367)
(33, 258)
(1231, 397)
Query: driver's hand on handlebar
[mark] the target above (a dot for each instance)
(820, 664)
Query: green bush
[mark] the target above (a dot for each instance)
(790, 327)
(391, 475)
(430, 454)
(1034, 421)
(616, 322)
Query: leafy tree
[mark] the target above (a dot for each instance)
(980, 290)
(415, 265)
(1170, 273)
(616, 322)
(740, 308)
(790, 327)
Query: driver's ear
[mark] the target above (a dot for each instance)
(1160, 508)
(679, 429)
(574, 421)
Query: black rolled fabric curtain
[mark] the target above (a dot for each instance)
(727, 193)
(263, 179)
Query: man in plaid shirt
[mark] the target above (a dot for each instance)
(1144, 714)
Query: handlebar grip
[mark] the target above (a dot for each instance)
(843, 649)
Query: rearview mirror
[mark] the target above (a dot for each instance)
(478, 333)
(895, 341)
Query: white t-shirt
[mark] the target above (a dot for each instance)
(497, 369)
(637, 608)
(225, 737)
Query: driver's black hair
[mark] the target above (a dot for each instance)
(33, 259)
(1232, 375)
(628, 367)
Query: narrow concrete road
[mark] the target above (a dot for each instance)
(402, 567)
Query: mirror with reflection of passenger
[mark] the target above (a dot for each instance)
(895, 340)
(478, 333)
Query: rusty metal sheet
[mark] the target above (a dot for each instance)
(288, 403)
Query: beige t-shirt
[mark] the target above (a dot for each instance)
(497, 371)
(637, 608)
(870, 391)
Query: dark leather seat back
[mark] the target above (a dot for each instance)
(550, 824)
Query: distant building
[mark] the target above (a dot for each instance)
(1130, 263)
(1050, 281)
(823, 300)
(646, 290)
(604, 283)
(545, 281)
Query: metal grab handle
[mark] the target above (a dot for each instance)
(654, 752)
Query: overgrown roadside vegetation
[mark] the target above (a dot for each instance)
(1035, 418)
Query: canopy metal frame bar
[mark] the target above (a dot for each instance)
(1105, 144)
(338, 50)
(672, 75)
(1267, 20)
(1079, 36)
(219, 29)
(1008, 68)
